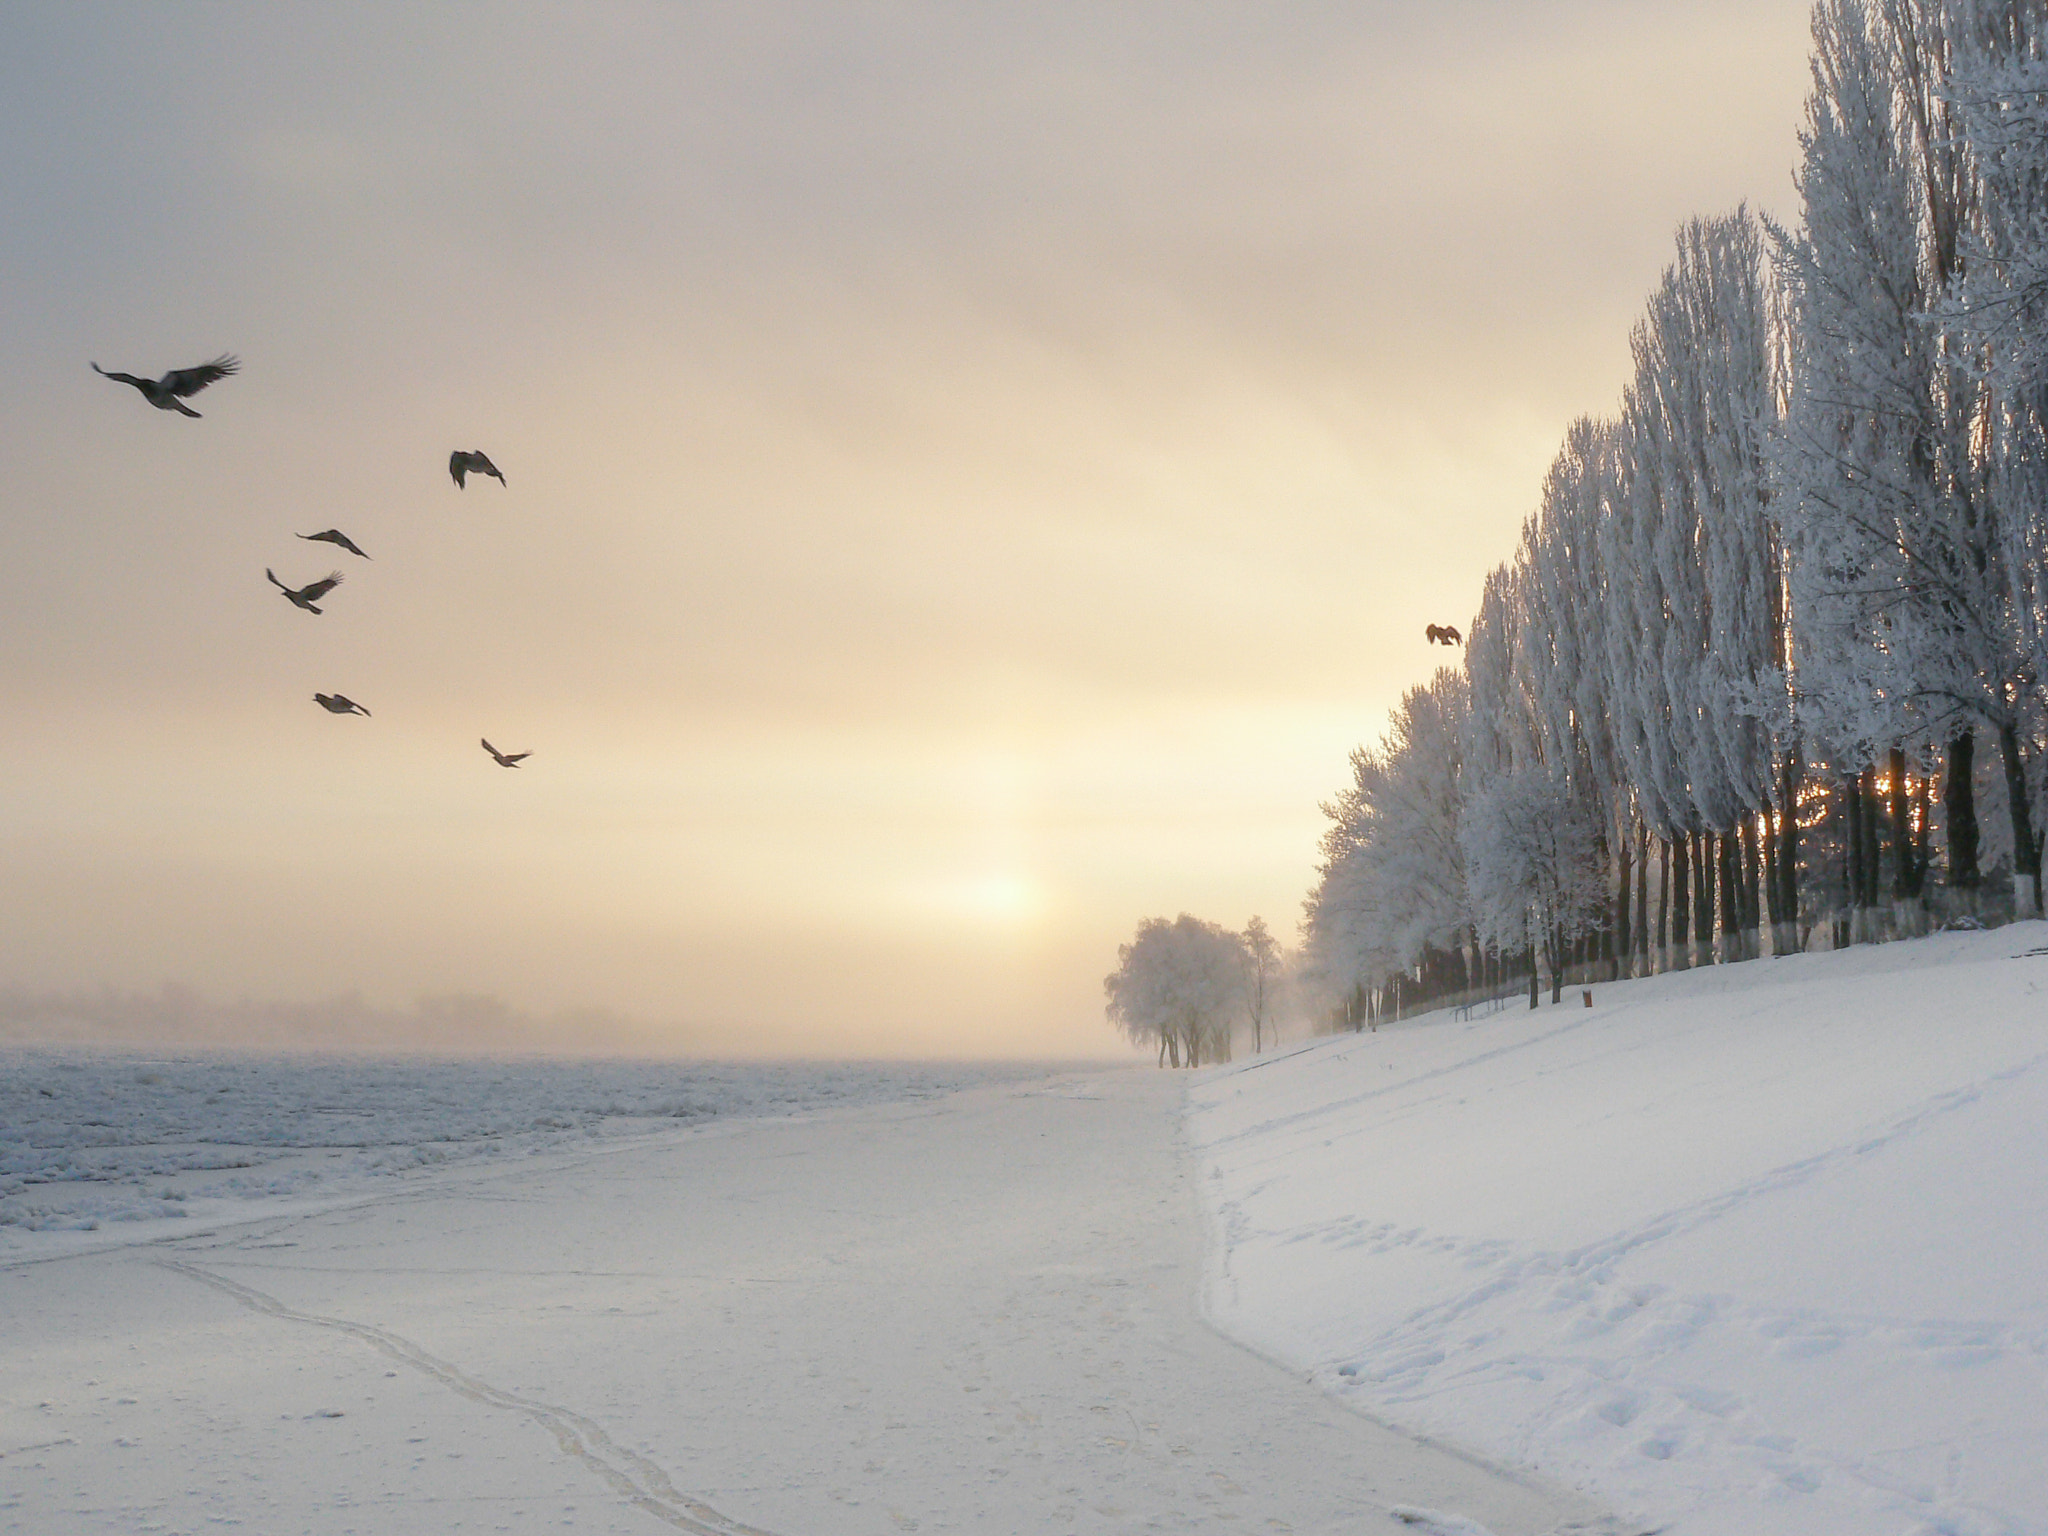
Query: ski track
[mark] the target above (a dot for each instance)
(638, 1480)
(1338, 1109)
(1593, 1257)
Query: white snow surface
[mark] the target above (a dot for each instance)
(902, 1311)
(1756, 1250)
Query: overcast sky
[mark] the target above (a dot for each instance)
(974, 472)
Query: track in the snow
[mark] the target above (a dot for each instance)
(629, 1474)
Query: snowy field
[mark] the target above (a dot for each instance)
(1754, 1251)
(92, 1139)
(882, 1308)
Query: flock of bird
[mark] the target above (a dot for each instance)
(170, 393)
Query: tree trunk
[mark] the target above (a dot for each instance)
(1905, 867)
(2026, 849)
(1620, 938)
(1703, 899)
(1767, 856)
(1641, 951)
(1679, 941)
(1923, 819)
(1752, 882)
(1852, 865)
(1664, 904)
(1959, 804)
(1791, 776)
(1728, 873)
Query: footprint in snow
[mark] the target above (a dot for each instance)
(1805, 1346)
(1620, 1411)
(1800, 1479)
(1709, 1400)
(1433, 1522)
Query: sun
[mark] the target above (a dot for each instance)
(996, 899)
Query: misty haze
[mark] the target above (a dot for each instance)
(816, 768)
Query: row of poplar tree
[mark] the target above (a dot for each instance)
(1767, 670)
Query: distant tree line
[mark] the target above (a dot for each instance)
(1767, 669)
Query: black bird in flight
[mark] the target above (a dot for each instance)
(335, 536)
(168, 393)
(505, 759)
(305, 597)
(339, 704)
(476, 461)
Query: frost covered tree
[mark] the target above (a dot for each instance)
(1993, 315)
(1910, 565)
(1179, 987)
(1562, 649)
(1391, 895)
(1809, 553)
(1632, 655)
(1265, 967)
(1856, 460)
(1998, 97)
(1522, 749)
(1534, 852)
(1700, 412)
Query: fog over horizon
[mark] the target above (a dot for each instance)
(973, 476)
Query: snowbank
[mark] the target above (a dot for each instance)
(1759, 1250)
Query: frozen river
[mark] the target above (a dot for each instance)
(102, 1141)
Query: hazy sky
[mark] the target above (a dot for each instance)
(974, 472)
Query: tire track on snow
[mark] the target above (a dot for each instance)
(632, 1476)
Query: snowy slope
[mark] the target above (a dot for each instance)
(1755, 1251)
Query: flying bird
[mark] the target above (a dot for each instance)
(339, 704)
(1445, 633)
(305, 597)
(168, 393)
(505, 759)
(475, 461)
(335, 536)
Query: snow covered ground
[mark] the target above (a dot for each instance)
(1753, 1251)
(1759, 1250)
(927, 1312)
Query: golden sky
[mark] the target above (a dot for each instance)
(974, 472)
